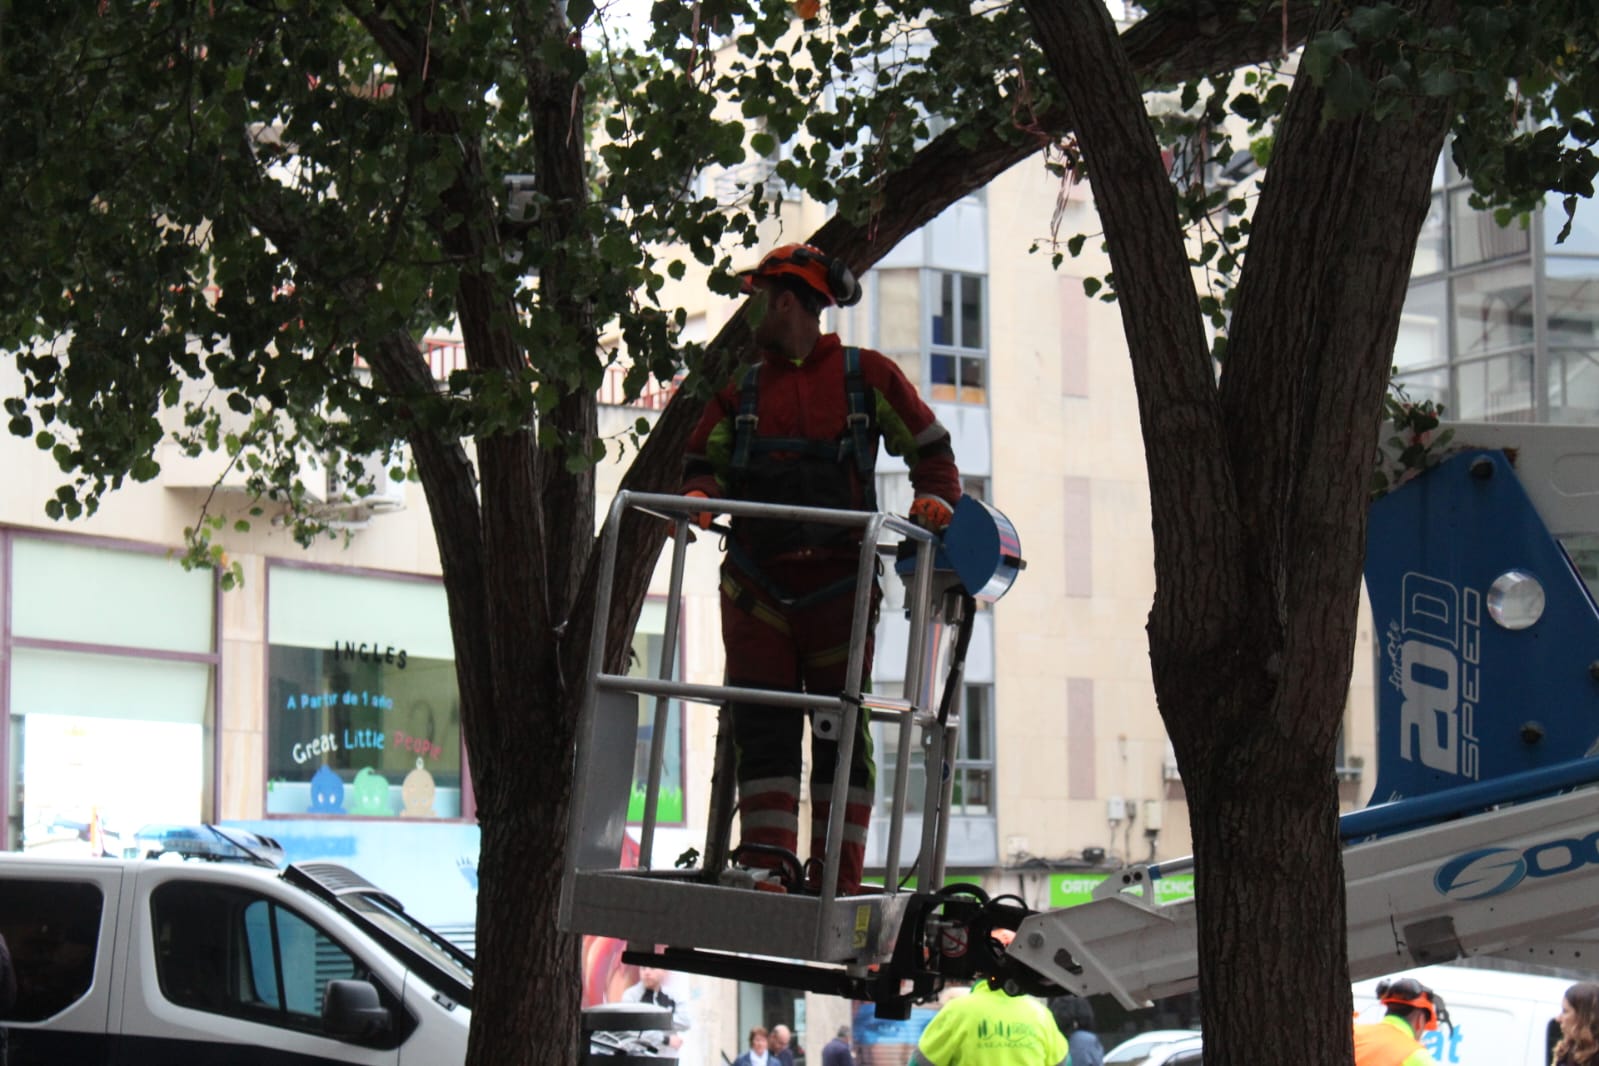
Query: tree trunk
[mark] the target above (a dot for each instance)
(1258, 493)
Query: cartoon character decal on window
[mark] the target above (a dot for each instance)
(327, 792)
(371, 794)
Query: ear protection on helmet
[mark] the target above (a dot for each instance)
(828, 275)
(841, 283)
(1409, 992)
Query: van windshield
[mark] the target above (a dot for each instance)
(429, 946)
(443, 965)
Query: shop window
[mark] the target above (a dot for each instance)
(52, 929)
(363, 711)
(112, 711)
(52, 580)
(648, 640)
(108, 744)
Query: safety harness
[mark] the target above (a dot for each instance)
(859, 440)
(857, 444)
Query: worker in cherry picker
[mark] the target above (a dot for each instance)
(801, 426)
(1413, 1009)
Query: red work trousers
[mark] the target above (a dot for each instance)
(782, 629)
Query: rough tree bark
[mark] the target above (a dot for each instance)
(1258, 490)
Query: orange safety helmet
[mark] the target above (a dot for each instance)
(1409, 992)
(829, 277)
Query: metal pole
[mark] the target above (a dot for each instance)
(663, 703)
(865, 575)
(585, 727)
(719, 823)
(917, 661)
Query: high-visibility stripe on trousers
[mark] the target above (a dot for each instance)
(808, 652)
(852, 851)
(769, 814)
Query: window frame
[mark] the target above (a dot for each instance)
(12, 723)
(1455, 249)
(467, 800)
(954, 351)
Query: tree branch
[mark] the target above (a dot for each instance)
(1166, 47)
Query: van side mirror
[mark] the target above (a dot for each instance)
(351, 1010)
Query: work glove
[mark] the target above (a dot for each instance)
(699, 518)
(931, 513)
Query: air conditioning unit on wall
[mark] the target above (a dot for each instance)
(388, 494)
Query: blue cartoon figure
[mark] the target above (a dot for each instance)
(327, 792)
(371, 793)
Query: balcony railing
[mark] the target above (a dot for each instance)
(447, 354)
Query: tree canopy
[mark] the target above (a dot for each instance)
(272, 203)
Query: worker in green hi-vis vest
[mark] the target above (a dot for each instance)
(988, 1027)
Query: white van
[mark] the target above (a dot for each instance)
(1500, 1018)
(149, 960)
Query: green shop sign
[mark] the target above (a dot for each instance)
(1070, 889)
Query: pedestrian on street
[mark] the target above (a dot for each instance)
(1579, 1026)
(837, 1052)
(1074, 1016)
(989, 1027)
(781, 1045)
(758, 1054)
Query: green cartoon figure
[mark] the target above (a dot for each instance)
(371, 793)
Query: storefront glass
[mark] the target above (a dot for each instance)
(646, 661)
(363, 713)
(111, 696)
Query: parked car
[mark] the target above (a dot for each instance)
(1158, 1047)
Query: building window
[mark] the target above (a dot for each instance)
(972, 787)
(1501, 323)
(111, 710)
(363, 715)
(958, 359)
